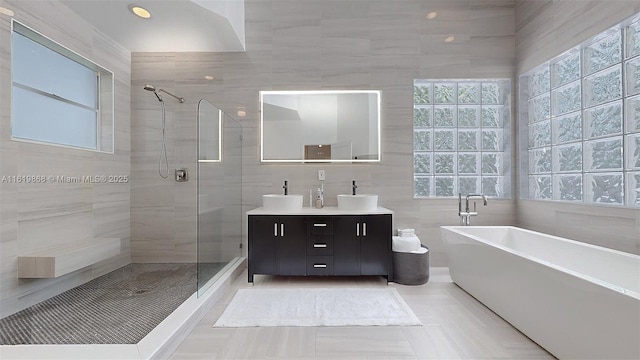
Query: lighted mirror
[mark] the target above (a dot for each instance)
(209, 132)
(320, 126)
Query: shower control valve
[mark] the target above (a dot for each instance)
(182, 175)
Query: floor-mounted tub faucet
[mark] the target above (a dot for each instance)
(353, 187)
(286, 188)
(465, 216)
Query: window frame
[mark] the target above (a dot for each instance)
(105, 84)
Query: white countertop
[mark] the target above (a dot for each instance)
(327, 210)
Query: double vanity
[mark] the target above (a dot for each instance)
(351, 239)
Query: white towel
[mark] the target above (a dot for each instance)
(422, 250)
(406, 232)
(405, 244)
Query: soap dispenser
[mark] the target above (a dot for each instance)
(319, 198)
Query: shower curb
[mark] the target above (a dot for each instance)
(158, 344)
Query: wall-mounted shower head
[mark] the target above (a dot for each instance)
(153, 88)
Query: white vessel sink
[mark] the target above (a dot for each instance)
(363, 202)
(279, 202)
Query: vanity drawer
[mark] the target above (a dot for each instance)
(320, 226)
(320, 245)
(319, 265)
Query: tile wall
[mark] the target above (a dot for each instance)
(37, 217)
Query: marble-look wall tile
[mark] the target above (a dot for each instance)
(545, 29)
(319, 44)
(36, 217)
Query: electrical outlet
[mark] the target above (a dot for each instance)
(321, 175)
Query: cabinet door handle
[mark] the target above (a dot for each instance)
(319, 245)
(357, 229)
(275, 229)
(319, 265)
(281, 229)
(364, 229)
(320, 225)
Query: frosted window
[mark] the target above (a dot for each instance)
(603, 86)
(633, 186)
(567, 187)
(458, 138)
(567, 158)
(633, 39)
(632, 75)
(566, 99)
(605, 188)
(540, 108)
(633, 152)
(444, 116)
(469, 93)
(539, 81)
(468, 139)
(422, 117)
(444, 93)
(566, 69)
(468, 163)
(581, 121)
(42, 118)
(422, 140)
(445, 186)
(422, 163)
(632, 115)
(540, 186)
(603, 120)
(469, 185)
(422, 186)
(422, 93)
(567, 128)
(444, 163)
(56, 94)
(605, 51)
(469, 116)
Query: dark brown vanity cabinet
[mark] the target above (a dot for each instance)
(303, 245)
(363, 245)
(276, 245)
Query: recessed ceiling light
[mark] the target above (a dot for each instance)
(209, 77)
(6, 11)
(449, 39)
(140, 11)
(242, 113)
(432, 15)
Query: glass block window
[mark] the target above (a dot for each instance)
(580, 122)
(58, 97)
(459, 129)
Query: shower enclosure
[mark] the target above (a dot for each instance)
(219, 193)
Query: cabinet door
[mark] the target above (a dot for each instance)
(375, 245)
(292, 246)
(346, 245)
(262, 238)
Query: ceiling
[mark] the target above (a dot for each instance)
(174, 26)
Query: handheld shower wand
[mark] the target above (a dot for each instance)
(163, 160)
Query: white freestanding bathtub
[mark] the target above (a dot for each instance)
(576, 300)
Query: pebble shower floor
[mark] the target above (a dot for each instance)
(120, 307)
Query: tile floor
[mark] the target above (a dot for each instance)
(455, 326)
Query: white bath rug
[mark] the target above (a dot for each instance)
(316, 307)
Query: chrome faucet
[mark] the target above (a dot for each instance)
(286, 188)
(353, 187)
(465, 216)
